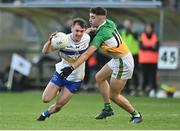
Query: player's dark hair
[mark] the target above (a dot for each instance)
(81, 22)
(98, 11)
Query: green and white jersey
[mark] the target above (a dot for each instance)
(108, 39)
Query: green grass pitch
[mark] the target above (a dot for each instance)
(19, 111)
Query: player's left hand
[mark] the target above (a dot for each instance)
(91, 29)
(66, 72)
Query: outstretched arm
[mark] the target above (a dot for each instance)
(84, 56)
(68, 70)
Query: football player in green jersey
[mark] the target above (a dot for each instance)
(119, 69)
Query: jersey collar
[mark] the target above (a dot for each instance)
(101, 24)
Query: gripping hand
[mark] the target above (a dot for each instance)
(66, 72)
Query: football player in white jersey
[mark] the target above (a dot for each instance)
(78, 42)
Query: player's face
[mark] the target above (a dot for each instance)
(94, 20)
(77, 32)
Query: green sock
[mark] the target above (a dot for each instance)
(107, 106)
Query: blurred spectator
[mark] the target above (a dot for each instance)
(131, 39)
(148, 58)
(2, 86)
(91, 68)
(67, 27)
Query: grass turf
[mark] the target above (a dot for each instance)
(20, 110)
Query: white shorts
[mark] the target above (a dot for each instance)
(122, 67)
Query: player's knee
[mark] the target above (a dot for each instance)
(98, 78)
(45, 99)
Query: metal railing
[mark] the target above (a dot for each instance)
(84, 3)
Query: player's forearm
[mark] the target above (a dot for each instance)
(81, 60)
(84, 57)
(47, 47)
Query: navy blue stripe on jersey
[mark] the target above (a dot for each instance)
(117, 40)
(118, 36)
(69, 52)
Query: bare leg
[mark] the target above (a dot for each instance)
(116, 88)
(50, 92)
(101, 79)
(61, 101)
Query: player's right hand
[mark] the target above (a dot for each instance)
(53, 34)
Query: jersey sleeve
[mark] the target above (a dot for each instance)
(100, 38)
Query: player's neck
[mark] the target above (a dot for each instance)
(101, 23)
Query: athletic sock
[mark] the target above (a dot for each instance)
(46, 113)
(107, 106)
(135, 113)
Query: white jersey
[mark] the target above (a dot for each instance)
(73, 51)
